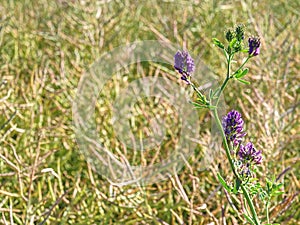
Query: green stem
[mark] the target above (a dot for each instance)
(226, 80)
(245, 193)
(227, 150)
(267, 211)
(196, 89)
(221, 90)
(251, 205)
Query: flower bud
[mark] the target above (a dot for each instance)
(254, 46)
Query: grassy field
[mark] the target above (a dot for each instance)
(45, 48)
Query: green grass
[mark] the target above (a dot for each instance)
(45, 47)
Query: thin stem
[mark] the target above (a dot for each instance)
(196, 89)
(267, 211)
(250, 203)
(221, 90)
(245, 193)
(226, 80)
(7, 122)
(227, 150)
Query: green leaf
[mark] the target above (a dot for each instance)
(276, 193)
(218, 43)
(236, 186)
(262, 195)
(249, 219)
(237, 73)
(210, 93)
(223, 182)
(242, 73)
(243, 81)
(278, 186)
(199, 106)
(269, 186)
(216, 92)
(196, 104)
(202, 99)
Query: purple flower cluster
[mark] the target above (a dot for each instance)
(250, 154)
(233, 127)
(234, 132)
(254, 46)
(184, 64)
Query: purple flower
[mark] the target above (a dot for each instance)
(249, 153)
(233, 127)
(254, 46)
(184, 64)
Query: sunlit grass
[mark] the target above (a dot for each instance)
(45, 47)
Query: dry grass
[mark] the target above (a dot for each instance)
(45, 46)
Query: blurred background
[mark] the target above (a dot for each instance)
(45, 48)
